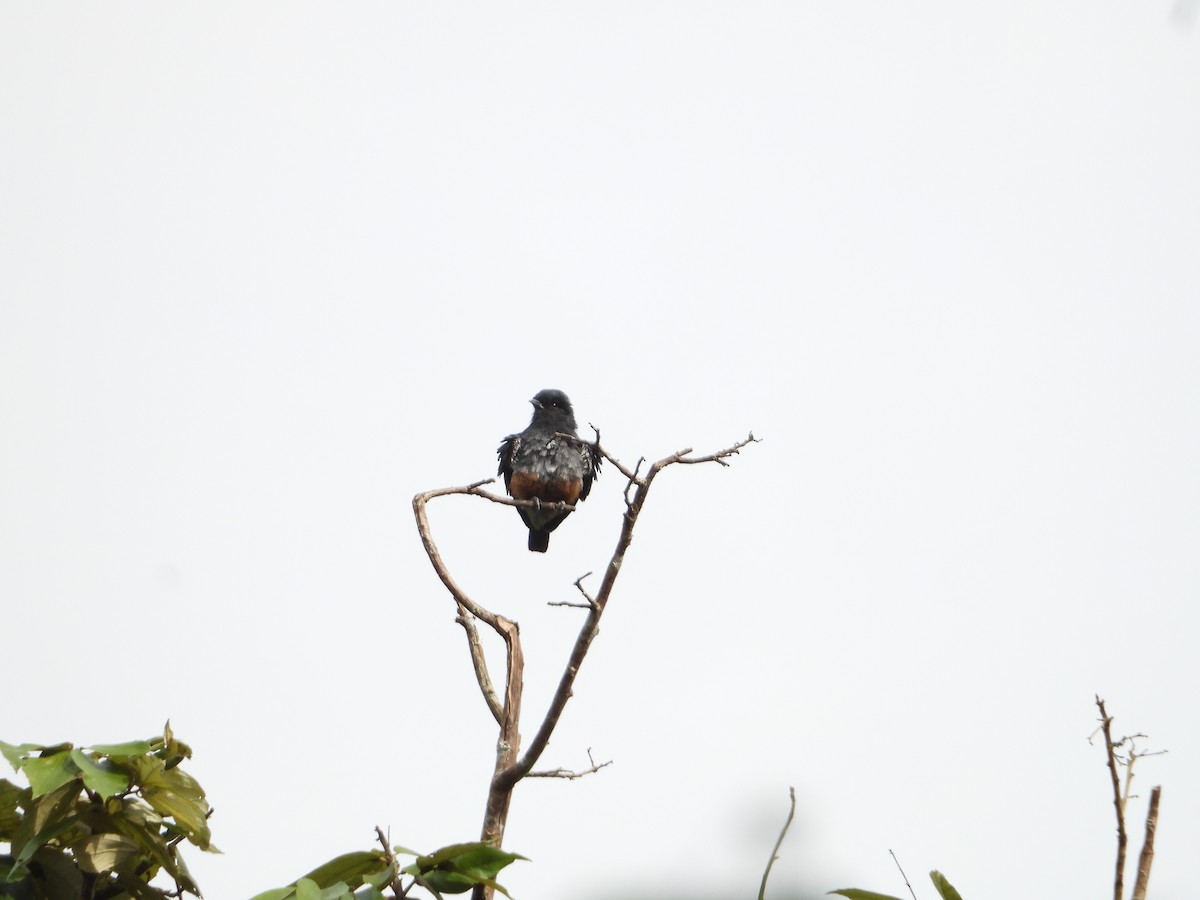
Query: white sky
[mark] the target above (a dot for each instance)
(267, 270)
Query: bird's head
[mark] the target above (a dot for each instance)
(553, 403)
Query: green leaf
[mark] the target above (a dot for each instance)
(485, 861)
(282, 893)
(138, 822)
(49, 773)
(105, 852)
(16, 754)
(306, 889)
(43, 813)
(369, 892)
(476, 858)
(380, 878)
(129, 748)
(459, 867)
(445, 882)
(45, 818)
(10, 817)
(58, 875)
(175, 793)
(859, 894)
(178, 870)
(102, 777)
(353, 868)
(944, 887)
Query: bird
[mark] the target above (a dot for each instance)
(548, 463)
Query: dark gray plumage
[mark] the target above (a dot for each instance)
(540, 464)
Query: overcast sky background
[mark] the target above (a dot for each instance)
(268, 270)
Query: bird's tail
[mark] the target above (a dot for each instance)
(539, 541)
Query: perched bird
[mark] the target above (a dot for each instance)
(541, 464)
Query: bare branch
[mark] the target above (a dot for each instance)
(630, 475)
(1118, 800)
(1129, 759)
(591, 601)
(460, 596)
(902, 875)
(591, 626)
(509, 501)
(475, 489)
(467, 608)
(508, 747)
(719, 457)
(511, 765)
(480, 665)
(762, 890)
(593, 767)
(1142, 882)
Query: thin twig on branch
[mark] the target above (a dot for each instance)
(592, 768)
(762, 888)
(896, 860)
(579, 586)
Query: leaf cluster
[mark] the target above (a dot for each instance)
(100, 822)
(363, 875)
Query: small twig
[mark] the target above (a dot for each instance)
(1118, 802)
(394, 881)
(902, 875)
(593, 767)
(579, 585)
(762, 889)
(630, 488)
(630, 474)
(1129, 760)
(1142, 882)
(616, 463)
(1132, 757)
(719, 457)
(591, 601)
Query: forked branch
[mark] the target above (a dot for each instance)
(1113, 750)
(511, 765)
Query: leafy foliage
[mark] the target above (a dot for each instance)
(459, 867)
(362, 876)
(338, 879)
(100, 822)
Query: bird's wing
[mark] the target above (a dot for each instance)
(505, 453)
(591, 466)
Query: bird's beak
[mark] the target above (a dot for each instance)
(536, 403)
